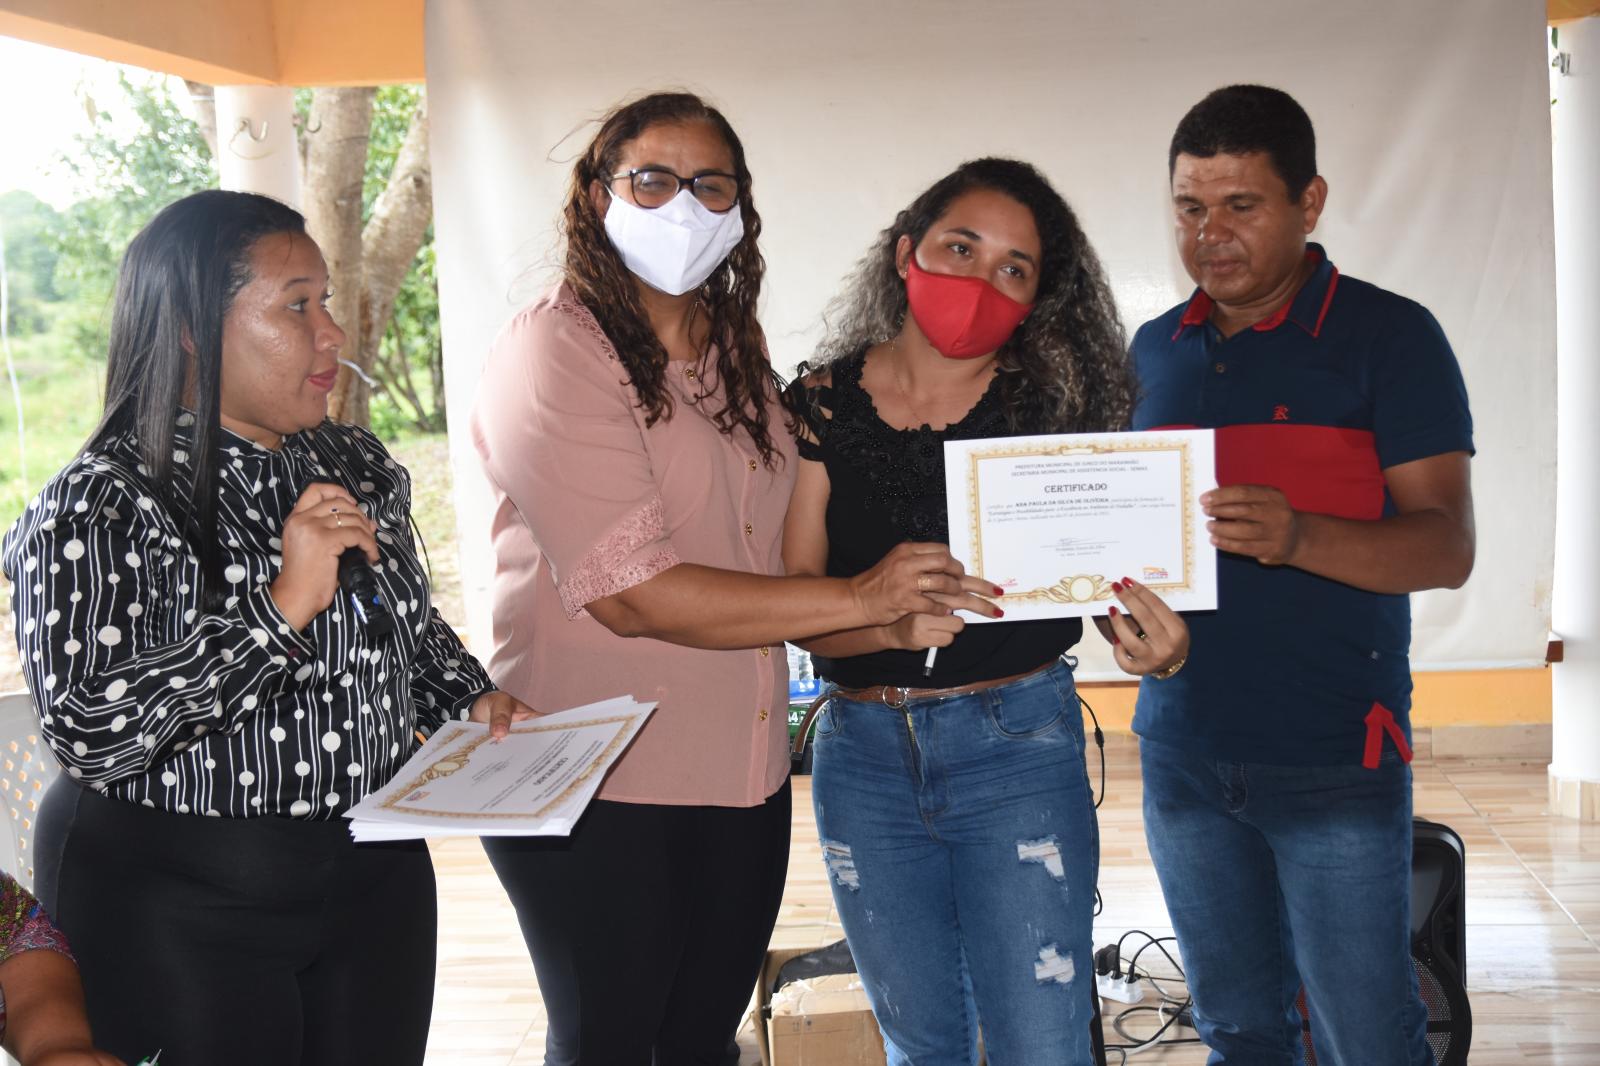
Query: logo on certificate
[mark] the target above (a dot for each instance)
(1155, 573)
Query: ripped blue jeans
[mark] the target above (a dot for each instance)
(961, 845)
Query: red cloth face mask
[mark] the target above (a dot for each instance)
(962, 317)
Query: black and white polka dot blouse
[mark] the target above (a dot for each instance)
(236, 714)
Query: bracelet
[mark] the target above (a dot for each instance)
(1162, 675)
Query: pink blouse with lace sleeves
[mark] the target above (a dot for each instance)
(555, 423)
(589, 501)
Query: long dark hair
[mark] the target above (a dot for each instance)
(600, 279)
(178, 279)
(1065, 369)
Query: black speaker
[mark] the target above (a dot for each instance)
(1438, 943)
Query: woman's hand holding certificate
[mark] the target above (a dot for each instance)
(1057, 520)
(1147, 637)
(938, 577)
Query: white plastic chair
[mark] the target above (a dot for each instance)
(26, 769)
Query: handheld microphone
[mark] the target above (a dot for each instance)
(356, 579)
(361, 585)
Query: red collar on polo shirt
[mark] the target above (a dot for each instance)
(1306, 308)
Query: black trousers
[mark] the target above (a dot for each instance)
(648, 926)
(243, 941)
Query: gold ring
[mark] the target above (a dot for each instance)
(924, 582)
(338, 520)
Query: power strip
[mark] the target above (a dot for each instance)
(1118, 988)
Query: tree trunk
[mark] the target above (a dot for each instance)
(393, 371)
(335, 165)
(204, 99)
(396, 230)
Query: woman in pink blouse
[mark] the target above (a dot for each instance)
(630, 425)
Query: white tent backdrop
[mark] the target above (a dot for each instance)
(1433, 128)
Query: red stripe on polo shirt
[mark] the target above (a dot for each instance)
(1322, 469)
(1327, 302)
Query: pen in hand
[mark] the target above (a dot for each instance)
(927, 664)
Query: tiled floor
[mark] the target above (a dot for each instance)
(1533, 920)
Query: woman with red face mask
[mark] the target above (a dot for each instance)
(954, 808)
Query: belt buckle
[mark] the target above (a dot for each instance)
(899, 700)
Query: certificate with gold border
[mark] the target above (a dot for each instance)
(537, 781)
(1055, 519)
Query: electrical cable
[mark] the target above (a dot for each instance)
(1184, 1005)
(1099, 742)
(1179, 1008)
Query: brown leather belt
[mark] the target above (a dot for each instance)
(898, 696)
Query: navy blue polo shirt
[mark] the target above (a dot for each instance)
(1343, 382)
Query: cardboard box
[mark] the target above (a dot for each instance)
(826, 1026)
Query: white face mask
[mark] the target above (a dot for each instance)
(676, 246)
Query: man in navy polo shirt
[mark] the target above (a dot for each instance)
(1277, 792)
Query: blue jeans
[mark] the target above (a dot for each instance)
(961, 844)
(1281, 875)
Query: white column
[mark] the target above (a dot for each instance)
(256, 148)
(1575, 133)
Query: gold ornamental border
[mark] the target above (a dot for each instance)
(455, 759)
(1083, 588)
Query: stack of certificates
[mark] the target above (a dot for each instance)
(535, 782)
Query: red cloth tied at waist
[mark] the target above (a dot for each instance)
(1380, 720)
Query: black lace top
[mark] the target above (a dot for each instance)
(887, 486)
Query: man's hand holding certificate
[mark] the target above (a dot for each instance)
(535, 782)
(1054, 520)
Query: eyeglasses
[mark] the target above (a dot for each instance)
(655, 186)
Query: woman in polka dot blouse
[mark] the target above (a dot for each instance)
(215, 702)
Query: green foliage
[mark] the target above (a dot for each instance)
(410, 357)
(392, 108)
(27, 224)
(131, 170)
(62, 267)
(62, 390)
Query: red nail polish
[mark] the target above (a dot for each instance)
(1116, 586)
(1115, 612)
(998, 613)
(1127, 581)
(998, 591)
